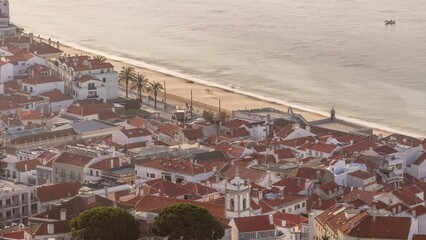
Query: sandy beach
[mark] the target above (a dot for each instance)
(204, 97)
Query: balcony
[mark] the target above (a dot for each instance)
(93, 96)
(92, 87)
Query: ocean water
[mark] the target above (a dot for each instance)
(312, 54)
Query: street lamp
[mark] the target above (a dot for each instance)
(213, 235)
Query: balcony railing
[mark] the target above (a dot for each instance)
(93, 96)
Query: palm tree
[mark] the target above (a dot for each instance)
(155, 87)
(140, 83)
(19, 30)
(100, 58)
(127, 74)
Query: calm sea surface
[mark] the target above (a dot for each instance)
(312, 54)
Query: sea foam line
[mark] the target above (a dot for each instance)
(174, 73)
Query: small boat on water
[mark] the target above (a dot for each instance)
(388, 22)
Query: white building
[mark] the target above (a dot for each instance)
(22, 61)
(177, 171)
(128, 136)
(89, 87)
(17, 202)
(6, 71)
(7, 29)
(71, 69)
(41, 80)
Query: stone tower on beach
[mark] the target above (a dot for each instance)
(7, 29)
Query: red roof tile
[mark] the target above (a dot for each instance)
(254, 224)
(322, 147)
(156, 204)
(28, 165)
(73, 159)
(56, 96)
(361, 174)
(135, 132)
(379, 227)
(57, 191)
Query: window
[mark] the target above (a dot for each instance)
(152, 175)
(297, 207)
(91, 172)
(244, 204)
(23, 64)
(25, 88)
(91, 86)
(303, 204)
(104, 80)
(31, 89)
(147, 174)
(102, 71)
(289, 210)
(231, 205)
(97, 173)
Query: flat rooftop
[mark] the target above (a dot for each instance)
(7, 186)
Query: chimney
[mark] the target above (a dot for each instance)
(63, 214)
(414, 213)
(50, 41)
(319, 202)
(50, 228)
(106, 192)
(399, 208)
(112, 162)
(283, 223)
(26, 167)
(120, 162)
(271, 219)
(31, 35)
(57, 45)
(393, 211)
(374, 217)
(318, 176)
(260, 195)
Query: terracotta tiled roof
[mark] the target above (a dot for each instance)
(137, 122)
(89, 108)
(297, 142)
(420, 159)
(193, 134)
(11, 86)
(135, 132)
(169, 129)
(253, 224)
(106, 164)
(406, 196)
(236, 123)
(165, 188)
(366, 196)
(28, 165)
(176, 166)
(361, 174)
(284, 154)
(379, 227)
(56, 96)
(8, 106)
(311, 173)
(419, 237)
(86, 78)
(292, 220)
(385, 149)
(41, 229)
(198, 189)
(284, 132)
(14, 235)
(73, 159)
(107, 115)
(77, 205)
(322, 147)
(156, 204)
(251, 174)
(57, 191)
(329, 186)
(359, 147)
(20, 57)
(291, 184)
(43, 49)
(40, 79)
(287, 199)
(30, 115)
